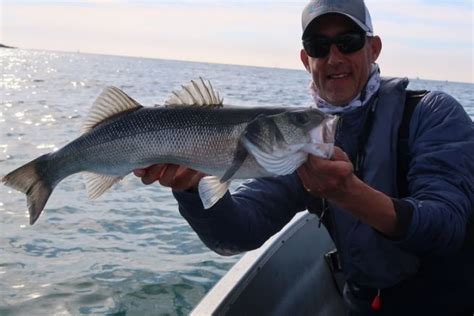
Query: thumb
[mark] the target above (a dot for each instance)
(139, 172)
(339, 154)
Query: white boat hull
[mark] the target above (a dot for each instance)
(288, 275)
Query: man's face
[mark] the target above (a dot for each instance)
(340, 77)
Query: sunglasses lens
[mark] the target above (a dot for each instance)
(350, 42)
(319, 47)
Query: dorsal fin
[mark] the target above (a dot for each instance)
(197, 93)
(110, 102)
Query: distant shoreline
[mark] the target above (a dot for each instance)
(6, 46)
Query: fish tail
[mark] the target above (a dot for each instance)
(28, 180)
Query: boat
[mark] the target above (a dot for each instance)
(290, 274)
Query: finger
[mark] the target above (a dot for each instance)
(139, 172)
(152, 173)
(309, 183)
(182, 178)
(186, 179)
(315, 162)
(339, 154)
(303, 173)
(168, 175)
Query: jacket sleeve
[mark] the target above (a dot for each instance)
(245, 219)
(440, 177)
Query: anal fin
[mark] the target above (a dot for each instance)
(97, 184)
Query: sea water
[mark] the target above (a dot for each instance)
(128, 252)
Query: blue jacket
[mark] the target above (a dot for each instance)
(429, 260)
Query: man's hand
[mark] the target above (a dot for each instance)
(335, 180)
(177, 177)
(331, 179)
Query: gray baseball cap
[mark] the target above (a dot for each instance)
(354, 9)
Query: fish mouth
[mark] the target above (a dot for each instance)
(324, 133)
(322, 138)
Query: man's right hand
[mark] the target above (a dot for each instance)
(177, 177)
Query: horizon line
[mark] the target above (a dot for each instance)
(78, 51)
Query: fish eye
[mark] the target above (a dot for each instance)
(299, 118)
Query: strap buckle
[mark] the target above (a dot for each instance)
(334, 264)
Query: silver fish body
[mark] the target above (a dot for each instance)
(200, 138)
(227, 143)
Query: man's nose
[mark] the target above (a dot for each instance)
(335, 56)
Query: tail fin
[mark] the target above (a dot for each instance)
(27, 180)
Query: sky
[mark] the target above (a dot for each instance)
(427, 39)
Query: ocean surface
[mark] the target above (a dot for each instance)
(129, 252)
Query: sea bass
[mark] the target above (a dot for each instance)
(120, 135)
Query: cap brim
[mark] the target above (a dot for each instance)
(361, 25)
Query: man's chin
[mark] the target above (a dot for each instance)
(338, 101)
(338, 97)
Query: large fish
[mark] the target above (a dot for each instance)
(120, 135)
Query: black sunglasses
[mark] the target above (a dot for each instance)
(319, 46)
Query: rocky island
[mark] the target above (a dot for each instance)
(5, 46)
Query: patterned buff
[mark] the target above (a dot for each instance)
(372, 86)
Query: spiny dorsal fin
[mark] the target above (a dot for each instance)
(110, 102)
(197, 93)
(97, 184)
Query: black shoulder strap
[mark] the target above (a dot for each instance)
(412, 99)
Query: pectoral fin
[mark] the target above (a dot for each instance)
(211, 190)
(239, 158)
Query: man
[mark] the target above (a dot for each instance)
(410, 251)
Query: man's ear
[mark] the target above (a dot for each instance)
(305, 60)
(376, 48)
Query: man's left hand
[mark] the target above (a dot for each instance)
(330, 179)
